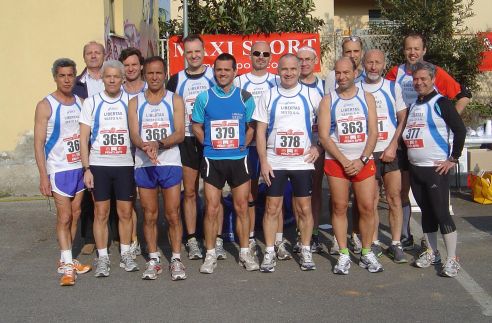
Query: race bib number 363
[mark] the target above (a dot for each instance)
(113, 142)
(351, 130)
(224, 134)
(290, 142)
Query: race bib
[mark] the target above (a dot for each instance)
(71, 146)
(413, 136)
(224, 134)
(114, 141)
(351, 130)
(382, 128)
(155, 131)
(290, 142)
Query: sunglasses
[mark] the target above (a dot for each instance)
(258, 54)
(351, 38)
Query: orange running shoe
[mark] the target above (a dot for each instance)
(80, 268)
(69, 276)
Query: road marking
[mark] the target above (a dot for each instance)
(465, 280)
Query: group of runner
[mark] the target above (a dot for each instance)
(359, 128)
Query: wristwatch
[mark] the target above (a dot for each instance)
(364, 159)
(86, 168)
(453, 160)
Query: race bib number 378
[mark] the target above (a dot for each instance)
(224, 134)
(290, 142)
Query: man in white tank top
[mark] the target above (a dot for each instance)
(57, 153)
(256, 82)
(391, 111)
(156, 119)
(348, 133)
(108, 166)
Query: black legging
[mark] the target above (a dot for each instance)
(431, 191)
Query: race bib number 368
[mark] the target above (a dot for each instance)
(224, 134)
(290, 142)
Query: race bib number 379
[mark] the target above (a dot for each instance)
(224, 134)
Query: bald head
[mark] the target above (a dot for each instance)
(346, 61)
(374, 65)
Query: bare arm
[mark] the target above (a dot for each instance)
(179, 129)
(85, 132)
(261, 147)
(197, 129)
(42, 115)
(133, 124)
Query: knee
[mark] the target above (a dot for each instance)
(64, 219)
(241, 207)
(393, 199)
(190, 193)
(339, 208)
(173, 217)
(150, 218)
(366, 208)
(272, 209)
(212, 209)
(303, 210)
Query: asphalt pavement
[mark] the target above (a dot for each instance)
(402, 293)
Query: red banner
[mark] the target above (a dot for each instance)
(240, 47)
(486, 64)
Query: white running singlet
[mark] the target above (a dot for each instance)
(406, 83)
(156, 122)
(389, 102)
(289, 114)
(62, 145)
(110, 137)
(348, 128)
(189, 88)
(426, 135)
(256, 85)
(134, 94)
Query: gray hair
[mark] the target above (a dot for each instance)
(424, 66)
(63, 62)
(112, 63)
(288, 55)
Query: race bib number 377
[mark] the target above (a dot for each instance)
(224, 134)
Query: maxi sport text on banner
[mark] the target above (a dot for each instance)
(240, 47)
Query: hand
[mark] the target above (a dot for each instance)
(444, 166)
(88, 179)
(266, 172)
(311, 155)
(389, 154)
(353, 167)
(151, 148)
(45, 186)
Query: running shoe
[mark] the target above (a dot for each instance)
(194, 251)
(428, 258)
(316, 246)
(253, 247)
(80, 268)
(135, 249)
(219, 249)
(407, 243)
(152, 268)
(269, 262)
(371, 263)
(306, 259)
(395, 252)
(248, 261)
(102, 267)
(450, 268)
(377, 250)
(209, 264)
(281, 250)
(128, 263)
(335, 248)
(343, 265)
(177, 270)
(69, 275)
(355, 243)
(423, 244)
(297, 247)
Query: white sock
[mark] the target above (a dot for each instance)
(270, 249)
(376, 242)
(155, 255)
(279, 236)
(66, 256)
(252, 235)
(102, 252)
(450, 240)
(211, 252)
(394, 243)
(124, 248)
(431, 238)
(243, 251)
(176, 256)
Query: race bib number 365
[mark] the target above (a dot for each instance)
(290, 142)
(224, 134)
(113, 142)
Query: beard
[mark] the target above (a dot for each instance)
(373, 76)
